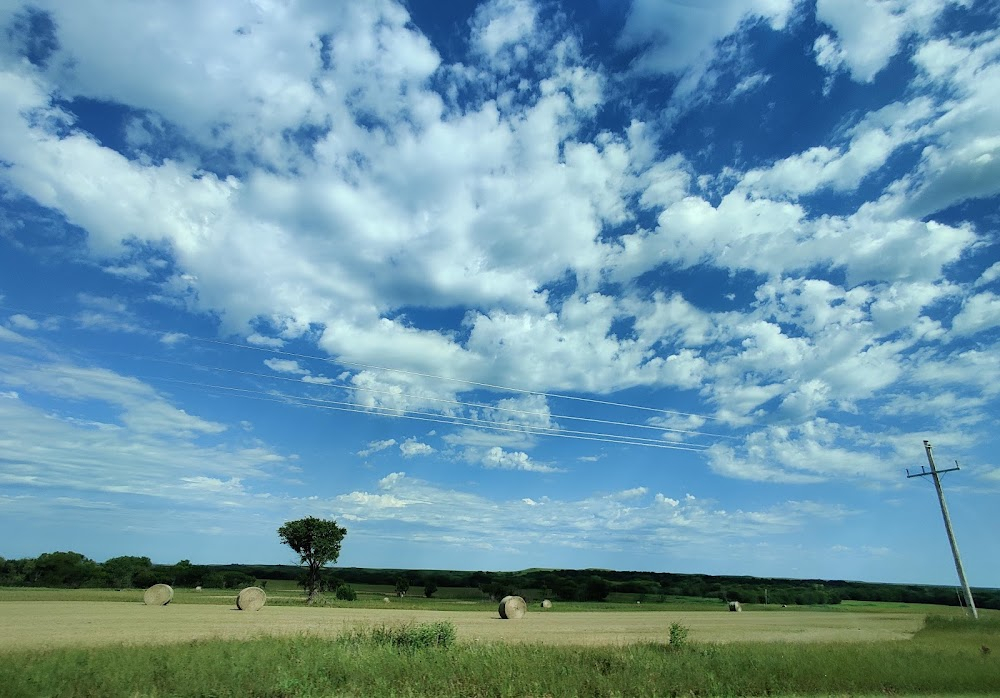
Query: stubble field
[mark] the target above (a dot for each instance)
(36, 625)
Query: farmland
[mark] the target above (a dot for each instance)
(77, 623)
(60, 642)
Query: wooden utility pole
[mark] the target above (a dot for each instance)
(935, 475)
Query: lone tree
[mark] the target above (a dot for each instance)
(402, 586)
(317, 542)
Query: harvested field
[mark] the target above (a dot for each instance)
(90, 623)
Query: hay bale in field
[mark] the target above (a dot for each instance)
(386, 600)
(512, 608)
(251, 599)
(546, 603)
(197, 588)
(735, 606)
(158, 595)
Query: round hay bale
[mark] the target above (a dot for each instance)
(546, 603)
(386, 600)
(158, 595)
(735, 606)
(512, 608)
(251, 599)
(197, 588)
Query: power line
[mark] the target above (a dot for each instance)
(344, 386)
(493, 386)
(345, 362)
(431, 417)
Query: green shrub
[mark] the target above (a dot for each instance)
(678, 635)
(345, 592)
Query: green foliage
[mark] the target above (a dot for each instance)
(345, 592)
(402, 586)
(408, 637)
(678, 635)
(566, 589)
(121, 572)
(430, 587)
(596, 589)
(64, 569)
(500, 588)
(317, 542)
(184, 574)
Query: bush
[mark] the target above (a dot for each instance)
(345, 592)
(678, 635)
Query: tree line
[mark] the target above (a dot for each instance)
(74, 570)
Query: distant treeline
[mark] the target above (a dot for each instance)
(70, 569)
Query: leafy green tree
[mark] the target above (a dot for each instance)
(64, 569)
(121, 571)
(566, 589)
(345, 592)
(402, 586)
(12, 572)
(184, 574)
(596, 589)
(430, 586)
(317, 542)
(214, 580)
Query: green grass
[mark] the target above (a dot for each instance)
(945, 658)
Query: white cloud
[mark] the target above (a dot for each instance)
(962, 160)
(774, 237)
(499, 24)
(411, 447)
(23, 322)
(590, 523)
(376, 446)
(497, 458)
(149, 447)
(842, 169)
(262, 341)
(677, 37)
(814, 451)
(749, 84)
(632, 493)
(990, 275)
(285, 366)
(868, 33)
(408, 197)
(979, 312)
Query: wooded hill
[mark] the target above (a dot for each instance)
(70, 569)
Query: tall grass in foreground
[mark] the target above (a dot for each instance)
(944, 658)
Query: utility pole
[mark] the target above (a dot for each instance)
(935, 475)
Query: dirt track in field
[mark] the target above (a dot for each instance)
(31, 624)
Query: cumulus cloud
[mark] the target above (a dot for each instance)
(979, 312)
(411, 447)
(285, 366)
(868, 33)
(497, 458)
(321, 175)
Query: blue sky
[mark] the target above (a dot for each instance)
(650, 285)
